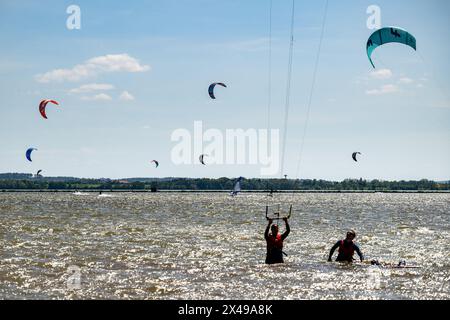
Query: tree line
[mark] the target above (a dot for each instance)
(24, 182)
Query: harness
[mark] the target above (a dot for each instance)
(346, 251)
(275, 242)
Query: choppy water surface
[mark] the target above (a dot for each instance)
(211, 246)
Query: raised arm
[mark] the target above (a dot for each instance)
(288, 229)
(266, 233)
(333, 249)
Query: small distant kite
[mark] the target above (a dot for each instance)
(38, 174)
(389, 35)
(156, 163)
(43, 105)
(28, 153)
(211, 88)
(201, 159)
(354, 155)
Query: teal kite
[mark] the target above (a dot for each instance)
(389, 35)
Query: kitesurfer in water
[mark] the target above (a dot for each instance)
(347, 248)
(274, 242)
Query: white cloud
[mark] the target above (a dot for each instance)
(381, 74)
(385, 89)
(98, 97)
(93, 67)
(126, 96)
(405, 80)
(92, 87)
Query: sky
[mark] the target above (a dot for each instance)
(135, 72)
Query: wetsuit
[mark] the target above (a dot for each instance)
(275, 246)
(346, 251)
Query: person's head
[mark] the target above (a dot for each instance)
(274, 229)
(350, 235)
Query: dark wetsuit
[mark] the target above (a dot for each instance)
(275, 246)
(346, 251)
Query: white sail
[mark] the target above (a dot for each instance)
(237, 187)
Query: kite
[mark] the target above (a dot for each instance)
(156, 163)
(211, 88)
(354, 155)
(201, 158)
(389, 35)
(43, 105)
(28, 153)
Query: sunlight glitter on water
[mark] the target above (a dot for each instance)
(211, 246)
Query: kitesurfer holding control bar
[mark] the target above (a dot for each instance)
(274, 242)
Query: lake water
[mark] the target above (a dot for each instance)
(211, 246)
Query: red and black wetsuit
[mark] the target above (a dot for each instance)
(275, 246)
(346, 251)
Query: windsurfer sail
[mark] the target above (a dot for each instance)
(237, 187)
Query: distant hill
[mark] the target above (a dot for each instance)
(149, 179)
(26, 176)
(15, 176)
(30, 176)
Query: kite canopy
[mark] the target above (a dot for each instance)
(201, 158)
(38, 174)
(354, 155)
(43, 105)
(389, 35)
(156, 163)
(211, 88)
(28, 153)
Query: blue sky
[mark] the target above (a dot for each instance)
(136, 71)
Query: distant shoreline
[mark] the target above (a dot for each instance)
(213, 191)
(23, 182)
